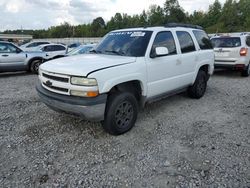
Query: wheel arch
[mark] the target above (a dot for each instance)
(33, 59)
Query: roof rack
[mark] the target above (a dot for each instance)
(183, 25)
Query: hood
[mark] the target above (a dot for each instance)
(82, 65)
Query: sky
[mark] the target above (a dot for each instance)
(41, 14)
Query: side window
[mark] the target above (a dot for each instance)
(186, 41)
(248, 41)
(164, 39)
(12, 49)
(203, 40)
(7, 48)
(58, 48)
(48, 48)
(4, 48)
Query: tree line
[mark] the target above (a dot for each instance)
(233, 16)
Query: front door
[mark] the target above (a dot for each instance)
(163, 71)
(11, 58)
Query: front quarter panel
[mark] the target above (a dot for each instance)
(110, 77)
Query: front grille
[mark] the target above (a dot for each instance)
(56, 78)
(56, 88)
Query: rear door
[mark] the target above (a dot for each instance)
(189, 57)
(11, 58)
(227, 49)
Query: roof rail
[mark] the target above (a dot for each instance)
(183, 25)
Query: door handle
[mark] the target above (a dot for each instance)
(5, 55)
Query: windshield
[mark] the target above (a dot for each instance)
(228, 42)
(125, 43)
(80, 50)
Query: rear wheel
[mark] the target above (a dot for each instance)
(34, 67)
(246, 72)
(121, 113)
(198, 89)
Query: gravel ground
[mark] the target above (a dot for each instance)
(177, 142)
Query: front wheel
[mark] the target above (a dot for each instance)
(121, 113)
(246, 72)
(34, 67)
(198, 89)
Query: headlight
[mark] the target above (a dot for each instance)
(83, 81)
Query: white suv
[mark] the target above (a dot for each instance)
(232, 51)
(129, 68)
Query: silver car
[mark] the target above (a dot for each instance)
(12, 58)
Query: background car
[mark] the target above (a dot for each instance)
(73, 46)
(232, 52)
(53, 51)
(31, 46)
(12, 58)
(83, 49)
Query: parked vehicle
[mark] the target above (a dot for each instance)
(128, 69)
(53, 51)
(83, 49)
(73, 46)
(31, 46)
(12, 58)
(232, 52)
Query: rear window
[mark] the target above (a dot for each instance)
(227, 42)
(248, 41)
(203, 40)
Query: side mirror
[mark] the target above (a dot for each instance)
(161, 51)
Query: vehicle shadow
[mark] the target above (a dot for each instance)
(10, 74)
(227, 73)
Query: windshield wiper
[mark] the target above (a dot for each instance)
(115, 52)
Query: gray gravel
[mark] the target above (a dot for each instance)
(177, 142)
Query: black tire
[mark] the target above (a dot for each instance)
(198, 89)
(34, 66)
(246, 72)
(121, 113)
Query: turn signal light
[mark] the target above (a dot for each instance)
(243, 51)
(84, 93)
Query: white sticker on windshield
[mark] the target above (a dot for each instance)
(138, 34)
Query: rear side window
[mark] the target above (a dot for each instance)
(186, 42)
(248, 41)
(59, 48)
(164, 39)
(48, 49)
(203, 40)
(226, 42)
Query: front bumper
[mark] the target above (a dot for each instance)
(92, 109)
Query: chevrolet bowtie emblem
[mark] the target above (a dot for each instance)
(48, 83)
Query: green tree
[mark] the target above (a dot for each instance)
(174, 12)
(155, 15)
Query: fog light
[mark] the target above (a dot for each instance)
(84, 93)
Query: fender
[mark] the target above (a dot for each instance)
(108, 85)
(35, 58)
(210, 69)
